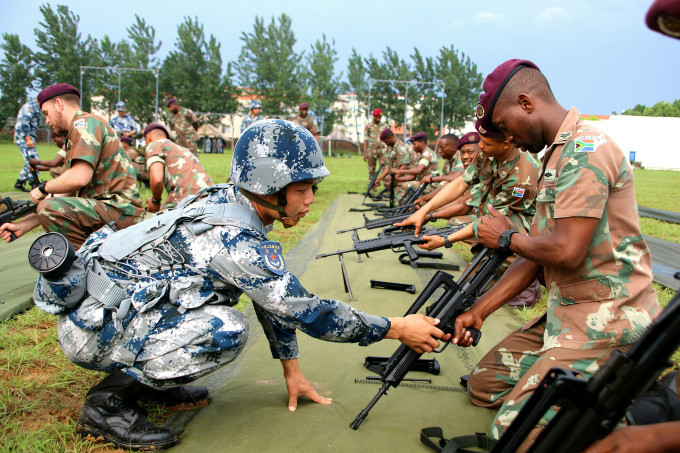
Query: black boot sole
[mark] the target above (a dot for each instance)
(95, 435)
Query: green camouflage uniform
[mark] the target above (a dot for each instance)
(451, 166)
(427, 158)
(182, 123)
(183, 174)
(308, 123)
(605, 303)
(376, 150)
(509, 187)
(401, 154)
(55, 172)
(110, 196)
(138, 164)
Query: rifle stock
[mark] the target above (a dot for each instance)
(456, 299)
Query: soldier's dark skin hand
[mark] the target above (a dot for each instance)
(491, 227)
(660, 437)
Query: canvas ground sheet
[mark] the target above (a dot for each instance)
(249, 407)
(17, 278)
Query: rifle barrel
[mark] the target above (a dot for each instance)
(339, 252)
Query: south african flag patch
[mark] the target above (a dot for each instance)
(584, 145)
(518, 192)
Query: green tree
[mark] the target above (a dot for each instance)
(324, 84)
(193, 71)
(663, 108)
(356, 75)
(62, 51)
(269, 67)
(463, 84)
(138, 88)
(16, 76)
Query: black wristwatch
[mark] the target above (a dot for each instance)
(41, 188)
(154, 201)
(447, 243)
(505, 239)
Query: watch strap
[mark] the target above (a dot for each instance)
(42, 189)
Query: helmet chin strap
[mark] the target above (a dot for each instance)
(288, 222)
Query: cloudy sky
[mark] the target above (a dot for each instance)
(598, 55)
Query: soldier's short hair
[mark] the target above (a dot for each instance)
(453, 138)
(526, 80)
(68, 98)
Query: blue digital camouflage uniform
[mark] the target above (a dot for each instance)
(123, 124)
(250, 119)
(27, 123)
(181, 323)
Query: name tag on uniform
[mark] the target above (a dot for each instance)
(272, 255)
(518, 192)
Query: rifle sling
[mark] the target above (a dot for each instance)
(479, 441)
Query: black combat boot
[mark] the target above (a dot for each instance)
(110, 413)
(181, 398)
(19, 185)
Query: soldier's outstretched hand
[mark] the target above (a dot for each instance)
(298, 385)
(418, 332)
(416, 219)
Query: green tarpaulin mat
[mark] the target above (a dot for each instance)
(249, 408)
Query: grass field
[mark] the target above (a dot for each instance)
(41, 391)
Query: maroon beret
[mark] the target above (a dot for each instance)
(491, 133)
(171, 101)
(387, 132)
(493, 87)
(127, 140)
(466, 139)
(55, 90)
(153, 126)
(377, 112)
(664, 16)
(304, 105)
(419, 136)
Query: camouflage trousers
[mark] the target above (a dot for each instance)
(509, 373)
(77, 218)
(27, 153)
(373, 157)
(190, 145)
(160, 347)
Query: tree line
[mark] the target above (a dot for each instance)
(267, 67)
(663, 108)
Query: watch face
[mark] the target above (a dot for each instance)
(503, 241)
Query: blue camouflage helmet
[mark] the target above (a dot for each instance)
(120, 105)
(254, 104)
(271, 154)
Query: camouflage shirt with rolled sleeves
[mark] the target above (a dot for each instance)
(409, 158)
(609, 299)
(183, 174)
(27, 123)
(451, 166)
(429, 160)
(308, 123)
(374, 146)
(124, 124)
(215, 267)
(250, 119)
(92, 139)
(182, 122)
(510, 187)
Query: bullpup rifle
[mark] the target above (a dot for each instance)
(456, 299)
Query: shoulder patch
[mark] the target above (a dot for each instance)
(549, 175)
(564, 136)
(79, 123)
(589, 143)
(518, 192)
(272, 256)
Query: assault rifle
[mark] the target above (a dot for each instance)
(11, 210)
(380, 222)
(399, 240)
(588, 411)
(456, 299)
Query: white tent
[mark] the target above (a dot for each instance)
(652, 139)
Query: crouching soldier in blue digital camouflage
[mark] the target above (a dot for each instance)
(153, 303)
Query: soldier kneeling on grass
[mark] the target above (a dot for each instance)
(154, 304)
